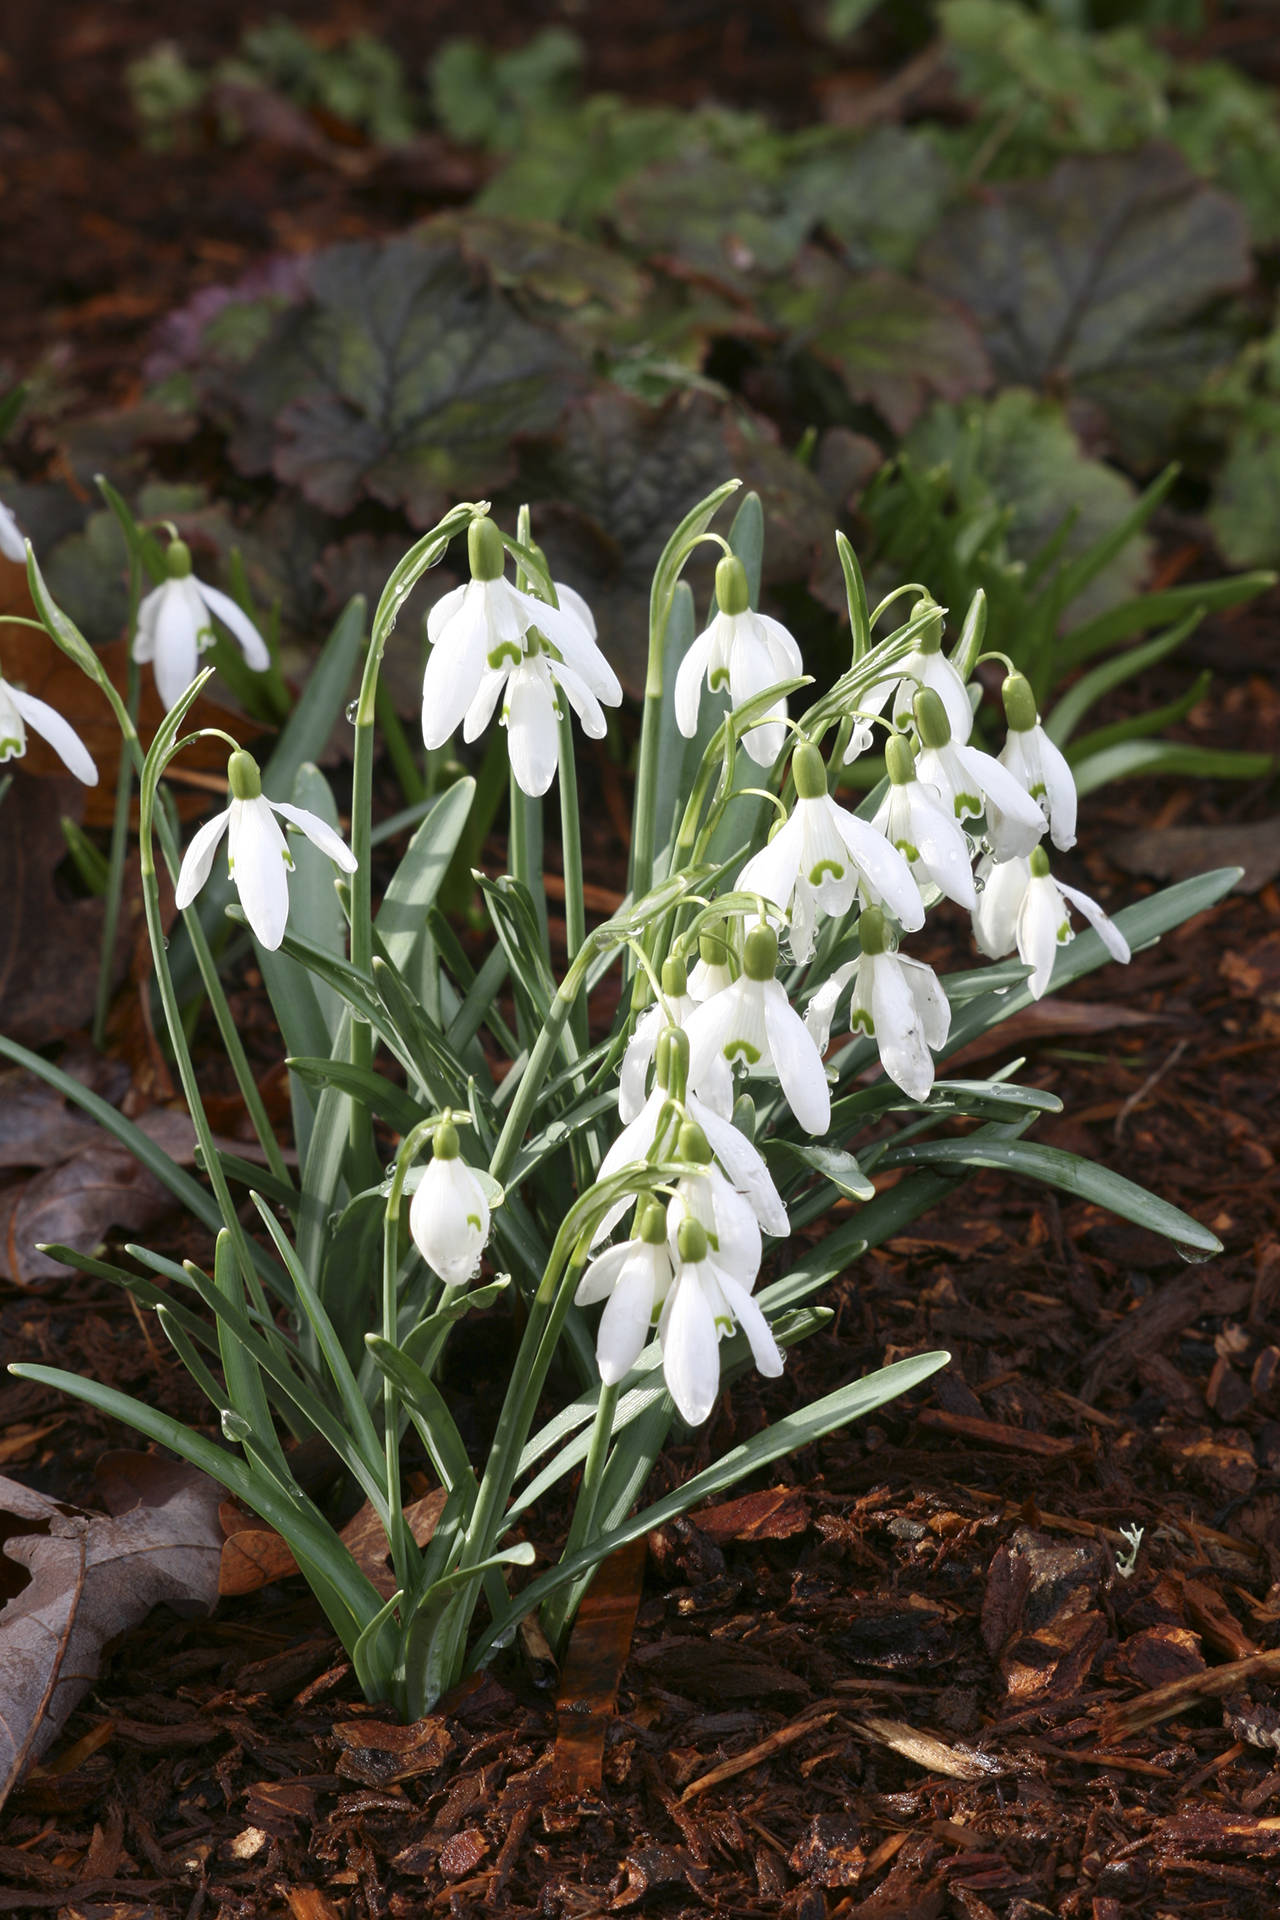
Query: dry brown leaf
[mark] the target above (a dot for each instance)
(89, 1577)
(73, 1205)
(253, 1555)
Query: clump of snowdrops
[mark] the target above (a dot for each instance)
(623, 1191)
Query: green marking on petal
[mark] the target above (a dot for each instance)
(506, 650)
(8, 748)
(824, 867)
(861, 1022)
(967, 803)
(723, 1323)
(1064, 933)
(906, 849)
(719, 679)
(1038, 790)
(742, 1050)
(473, 1220)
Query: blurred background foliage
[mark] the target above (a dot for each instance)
(978, 326)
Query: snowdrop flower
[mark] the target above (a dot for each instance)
(449, 1215)
(744, 651)
(478, 646)
(258, 857)
(531, 707)
(725, 1215)
(898, 1001)
(1038, 766)
(634, 1279)
(705, 1301)
(1021, 904)
(753, 1021)
(713, 969)
(19, 710)
(818, 860)
(929, 837)
(740, 1159)
(925, 666)
(672, 1010)
(12, 544)
(968, 781)
(175, 625)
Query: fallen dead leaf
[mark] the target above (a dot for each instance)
(89, 1577)
(253, 1555)
(73, 1205)
(1177, 853)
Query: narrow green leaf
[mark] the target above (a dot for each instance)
(401, 918)
(1070, 710)
(1150, 757)
(1149, 610)
(833, 1163)
(398, 1108)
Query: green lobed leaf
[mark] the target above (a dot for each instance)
(1096, 280)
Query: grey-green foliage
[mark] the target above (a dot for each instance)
(486, 98)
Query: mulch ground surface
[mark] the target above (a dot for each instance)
(920, 1671)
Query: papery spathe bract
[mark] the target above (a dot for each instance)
(754, 1024)
(744, 652)
(1039, 766)
(1021, 904)
(258, 857)
(19, 710)
(897, 1000)
(175, 625)
(449, 1214)
(820, 858)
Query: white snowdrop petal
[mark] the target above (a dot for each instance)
(900, 1037)
(1042, 928)
(1002, 889)
(690, 1347)
(533, 741)
(238, 623)
(583, 701)
(487, 695)
(765, 1350)
(797, 1061)
(632, 1087)
(144, 640)
(1060, 793)
(603, 1273)
(61, 735)
(449, 1220)
(1105, 928)
(772, 872)
(176, 644)
(690, 675)
(259, 866)
(197, 861)
(943, 847)
(933, 1009)
(453, 672)
(821, 1009)
(12, 544)
(745, 1167)
(444, 610)
(623, 1333)
(884, 869)
(1023, 818)
(319, 833)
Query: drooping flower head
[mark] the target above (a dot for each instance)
(449, 1215)
(12, 544)
(175, 626)
(1021, 904)
(898, 1001)
(703, 1304)
(822, 856)
(633, 1279)
(19, 710)
(928, 836)
(673, 1009)
(258, 856)
(1038, 766)
(743, 652)
(491, 641)
(925, 666)
(752, 1023)
(970, 782)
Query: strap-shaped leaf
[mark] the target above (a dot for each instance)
(1084, 1178)
(413, 887)
(785, 1436)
